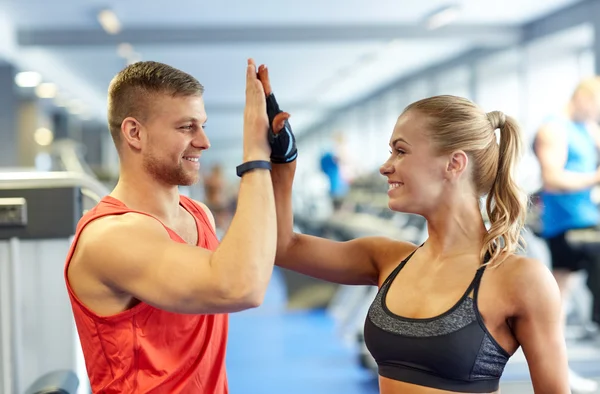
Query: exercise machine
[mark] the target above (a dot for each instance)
(39, 346)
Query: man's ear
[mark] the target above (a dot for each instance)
(131, 131)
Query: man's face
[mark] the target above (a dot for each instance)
(175, 139)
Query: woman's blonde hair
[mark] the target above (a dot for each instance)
(456, 123)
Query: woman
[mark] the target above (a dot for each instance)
(451, 312)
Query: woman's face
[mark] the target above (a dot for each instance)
(415, 171)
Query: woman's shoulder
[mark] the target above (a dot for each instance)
(387, 253)
(525, 281)
(517, 268)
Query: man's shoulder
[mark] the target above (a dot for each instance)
(197, 203)
(202, 208)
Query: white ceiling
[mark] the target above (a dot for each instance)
(309, 77)
(81, 13)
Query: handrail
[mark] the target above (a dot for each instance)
(71, 154)
(50, 179)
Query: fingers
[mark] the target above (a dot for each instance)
(253, 84)
(263, 75)
(279, 121)
(250, 71)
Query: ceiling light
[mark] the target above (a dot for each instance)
(109, 21)
(28, 79)
(43, 136)
(442, 16)
(46, 90)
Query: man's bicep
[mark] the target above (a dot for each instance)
(136, 256)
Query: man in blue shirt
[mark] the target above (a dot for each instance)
(331, 165)
(567, 148)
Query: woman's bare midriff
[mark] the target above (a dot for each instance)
(389, 386)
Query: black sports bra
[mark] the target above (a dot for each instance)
(453, 351)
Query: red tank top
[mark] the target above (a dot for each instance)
(145, 349)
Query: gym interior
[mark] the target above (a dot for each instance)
(344, 70)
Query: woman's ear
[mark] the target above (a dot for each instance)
(457, 164)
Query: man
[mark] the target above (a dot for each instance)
(566, 146)
(149, 284)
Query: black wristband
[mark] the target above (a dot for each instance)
(251, 165)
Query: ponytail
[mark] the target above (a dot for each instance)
(506, 204)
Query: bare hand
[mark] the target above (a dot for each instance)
(256, 121)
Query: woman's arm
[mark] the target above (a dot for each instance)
(538, 325)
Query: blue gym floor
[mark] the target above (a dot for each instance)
(272, 350)
(276, 351)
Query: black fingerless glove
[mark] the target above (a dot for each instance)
(283, 144)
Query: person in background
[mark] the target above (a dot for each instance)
(332, 164)
(566, 145)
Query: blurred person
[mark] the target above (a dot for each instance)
(451, 312)
(214, 186)
(215, 189)
(332, 164)
(149, 283)
(567, 145)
